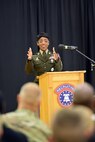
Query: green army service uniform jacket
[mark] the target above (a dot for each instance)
(43, 63)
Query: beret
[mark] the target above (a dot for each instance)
(42, 34)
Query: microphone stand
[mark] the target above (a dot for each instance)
(91, 61)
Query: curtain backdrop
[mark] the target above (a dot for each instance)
(70, 22)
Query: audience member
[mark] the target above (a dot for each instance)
(68, 127)
(86, 115)
(7, 134)
(23, 119)
(83, 95)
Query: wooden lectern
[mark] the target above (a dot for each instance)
(48, 83)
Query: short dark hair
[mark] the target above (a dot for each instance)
(83, 95)
(65, 124)
(42, 34)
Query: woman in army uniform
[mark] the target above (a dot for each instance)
(44, 60)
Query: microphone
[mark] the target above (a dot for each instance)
(67, 47)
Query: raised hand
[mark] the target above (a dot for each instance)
(29, 54)
(55, 55)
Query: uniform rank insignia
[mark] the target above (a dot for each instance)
(37, 59)
(51, 59)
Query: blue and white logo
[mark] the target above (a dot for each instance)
(65, 94)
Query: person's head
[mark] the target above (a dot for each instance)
(83, 95)
(88, 123)
(43, 41)
(67, 126)
(29, 97)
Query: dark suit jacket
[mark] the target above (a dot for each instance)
(13, 136)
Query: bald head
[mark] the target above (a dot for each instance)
(29, 95)
(83, 94)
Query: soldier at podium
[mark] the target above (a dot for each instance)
(44, 60)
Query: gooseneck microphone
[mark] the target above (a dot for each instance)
(67, 47)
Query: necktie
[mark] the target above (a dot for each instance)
(44, 54)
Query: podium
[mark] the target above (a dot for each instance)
(53, 86)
